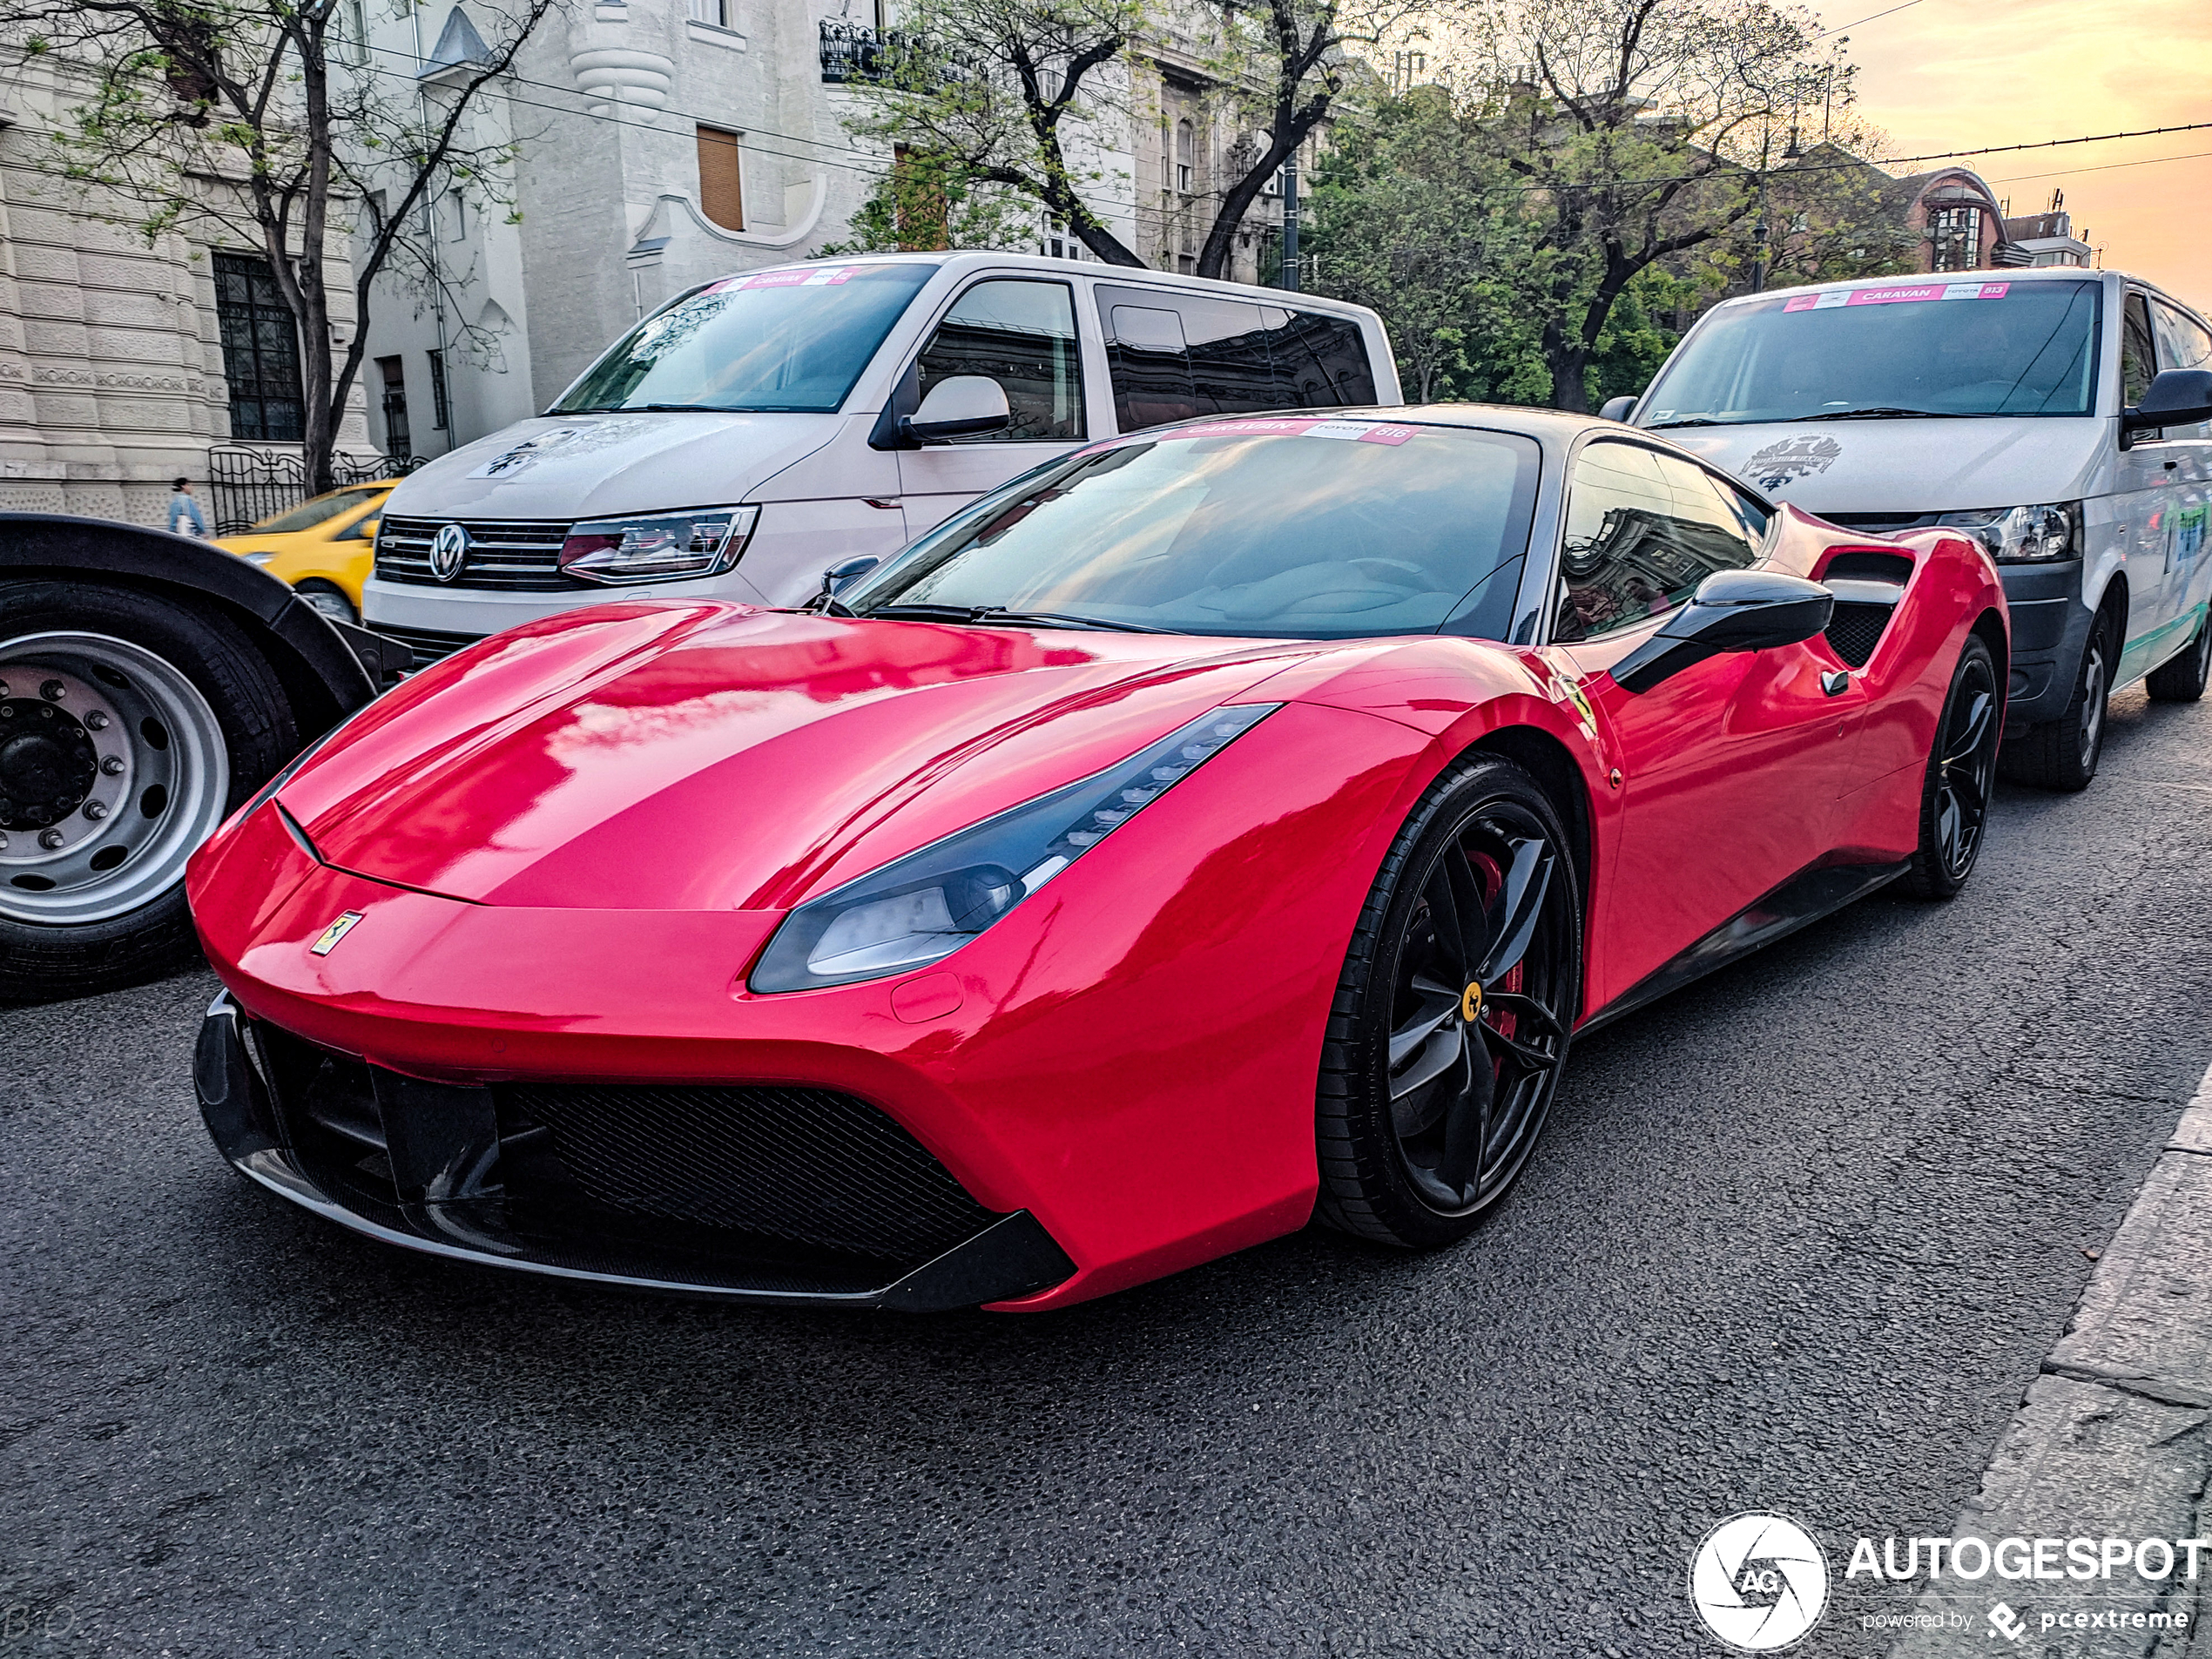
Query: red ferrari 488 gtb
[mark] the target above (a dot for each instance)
(1212, 829)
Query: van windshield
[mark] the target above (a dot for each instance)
(1912, 349)
(789, 339)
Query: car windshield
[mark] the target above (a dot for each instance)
(1299, 528)
(1938, 347)
(787, 339)
(321, 509)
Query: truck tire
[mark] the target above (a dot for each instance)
(2063, 753)
(130, 725)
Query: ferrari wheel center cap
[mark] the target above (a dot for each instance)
(1471, 1002)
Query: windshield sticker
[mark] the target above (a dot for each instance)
(1791, 459)
(1295, 427)
(1914, 295)
(801, 277)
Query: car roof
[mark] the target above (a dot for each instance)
(963, 261)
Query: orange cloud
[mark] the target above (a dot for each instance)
(1971, 74)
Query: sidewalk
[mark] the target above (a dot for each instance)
(2113, 1441)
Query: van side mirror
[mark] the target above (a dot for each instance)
(959, 406)
(1733, 611)
(2177, 397)
(1616, 408)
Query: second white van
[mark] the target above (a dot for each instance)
(758, 430)
(2059, 415)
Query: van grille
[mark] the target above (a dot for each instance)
(426, 645)
(506, 555)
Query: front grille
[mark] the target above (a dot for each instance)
(505, 555)
(810, 1165)
(428, 644)
(809, 1188)
(1854, 629)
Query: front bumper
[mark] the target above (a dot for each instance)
(456, 1171)
(2050, 628)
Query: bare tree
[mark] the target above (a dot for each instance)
(1643, 133)
(270, 124)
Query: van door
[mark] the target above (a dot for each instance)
(2144, 493)
(2185, 451)
(1019, 332)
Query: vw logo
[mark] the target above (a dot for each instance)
(448, 552)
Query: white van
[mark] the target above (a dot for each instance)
(759, 429)
(2060, 415)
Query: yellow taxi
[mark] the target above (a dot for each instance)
(324, 547)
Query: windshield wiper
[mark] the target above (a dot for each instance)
(973, 615)
(1883, 414)
(1695, 420)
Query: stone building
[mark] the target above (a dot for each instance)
(123, 361)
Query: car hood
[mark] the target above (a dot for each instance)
(577, 466)
(665, 754)
(1905, 466)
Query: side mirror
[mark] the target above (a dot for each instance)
(835, 578)
(2178, 397)
(1616, 408)
(959, 406)
(1733, 611)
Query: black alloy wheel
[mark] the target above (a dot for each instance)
(1962, 765)
(1452, 1016)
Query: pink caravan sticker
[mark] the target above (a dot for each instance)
(818, 277)
(1914, 295)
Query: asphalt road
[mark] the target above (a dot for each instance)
(1798, 1239)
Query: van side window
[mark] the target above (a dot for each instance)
(2183, 343)
(1173, 356)
(1642, 530)
(1022, 334)
(2138, 359)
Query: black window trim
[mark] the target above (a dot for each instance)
(1555, 579)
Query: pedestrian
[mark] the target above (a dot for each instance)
(184, 518)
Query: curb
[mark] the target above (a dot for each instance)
(2113, 1440)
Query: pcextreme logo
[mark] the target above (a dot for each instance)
(1760, 1581)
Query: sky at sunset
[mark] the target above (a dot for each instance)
(1976, 72)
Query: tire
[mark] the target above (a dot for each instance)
(330, 599)
(1962, 765)
(2063, 753)
(2182, 680)
(161, 715)
(1413, 1153)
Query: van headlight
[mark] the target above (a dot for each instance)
(2018, 534)
(929, 904)
(658, 547)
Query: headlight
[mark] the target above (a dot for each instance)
(658, 547)
(2015, 535)
(929, 904)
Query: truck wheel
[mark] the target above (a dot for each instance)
(2063, 753)
(2182, 679)
(130, 726)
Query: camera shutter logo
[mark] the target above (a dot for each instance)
(448, 551)
(1760, 1581)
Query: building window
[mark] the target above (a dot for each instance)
(260, 352)
(711, 11)
(398, 442)
(721, 181)
(441, 406)
(1182, 165)
(1956, 234)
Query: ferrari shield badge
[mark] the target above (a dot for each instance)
(332, 934)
